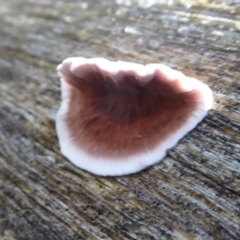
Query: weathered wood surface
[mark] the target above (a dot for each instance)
(193, 194)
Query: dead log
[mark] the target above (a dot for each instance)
(193, 194)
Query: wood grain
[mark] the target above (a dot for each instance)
(193, 194)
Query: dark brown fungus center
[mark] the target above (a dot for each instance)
(117, 120)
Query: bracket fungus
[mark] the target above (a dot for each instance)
(118, 118)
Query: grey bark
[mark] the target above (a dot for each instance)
(193, 194)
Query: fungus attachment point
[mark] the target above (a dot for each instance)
(118, 118)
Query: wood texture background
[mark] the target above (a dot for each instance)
(193, 194)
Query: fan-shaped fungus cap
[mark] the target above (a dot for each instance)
(118, 118)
